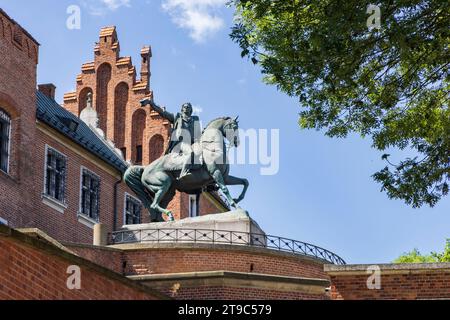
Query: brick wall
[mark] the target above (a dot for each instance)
(66, 226)
(19, 57)
(190, 271)
(239, 293)
(397, 281)
(194, 258)
(105, 257)
(30, 269)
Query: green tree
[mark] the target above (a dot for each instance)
(416, 257)
(391, 84)
(444, 256)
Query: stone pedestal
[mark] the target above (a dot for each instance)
(100, 235)
(233, 227)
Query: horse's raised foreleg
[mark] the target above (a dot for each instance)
(233, 181)
(218, 178)
(166, 200)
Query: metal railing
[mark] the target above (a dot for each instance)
(182, 235)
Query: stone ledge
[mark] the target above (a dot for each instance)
(397, 268)
(234, 279)
(229, 274)
(90, 246)
(40, 235)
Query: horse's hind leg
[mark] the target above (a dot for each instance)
(160, 190)
(158, 197)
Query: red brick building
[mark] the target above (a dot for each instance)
(60, 178)
(57, 173)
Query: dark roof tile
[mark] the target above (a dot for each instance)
(54, 115)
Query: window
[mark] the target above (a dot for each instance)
(55, 175)
(90, 194)
(5, 132)
(132, 210)
(193, 206)
(139, 154)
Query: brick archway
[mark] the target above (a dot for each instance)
(82, 99)
(103, 79)
(9, 105)
(156, 147)
(121, 95)
(138, 128)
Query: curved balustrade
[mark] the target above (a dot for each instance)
(224, 237)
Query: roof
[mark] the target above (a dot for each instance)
(107, 31)
(54, 115)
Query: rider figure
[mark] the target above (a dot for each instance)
(184, 125)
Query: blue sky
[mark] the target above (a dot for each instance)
(323, 192)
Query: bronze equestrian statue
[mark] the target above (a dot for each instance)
(193, 161)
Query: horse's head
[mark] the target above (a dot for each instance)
(231, 130)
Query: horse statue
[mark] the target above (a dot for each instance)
(155, 184)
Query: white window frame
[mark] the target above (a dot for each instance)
(82, 217)
(56, 204)
(195, 199)
(9, 141)
(125, 207)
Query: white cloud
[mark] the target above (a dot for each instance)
(102, 7)
(115, 4)
(200, 17)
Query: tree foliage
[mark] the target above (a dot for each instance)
(390, 84)
(416, 257)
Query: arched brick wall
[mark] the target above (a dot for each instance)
(156, 147)
(178, 258)
(138, 128)
(103, 79)
(82, 99)
(120, 104)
